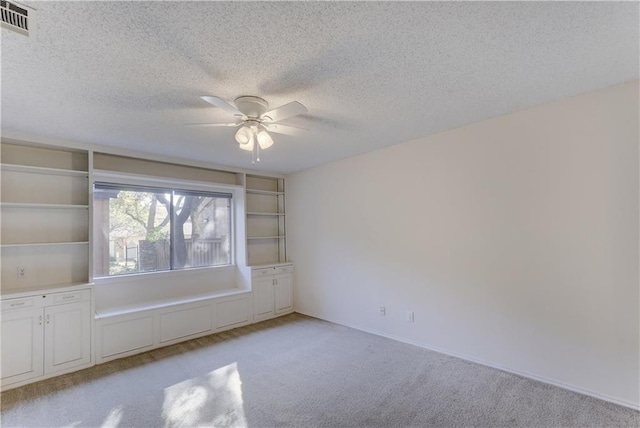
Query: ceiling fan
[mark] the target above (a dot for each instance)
(256, 120)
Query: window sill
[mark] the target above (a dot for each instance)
(162, 273)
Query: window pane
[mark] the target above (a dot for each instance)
(131, 231)
(202, 230)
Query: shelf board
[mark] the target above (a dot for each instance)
(43, 206)
(44, 244)
(265, 214)
(265, 237)
(43, 170)
(264, 192)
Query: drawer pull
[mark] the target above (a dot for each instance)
(13, 305)
(40, 320)
(48, 318)
(68, 297)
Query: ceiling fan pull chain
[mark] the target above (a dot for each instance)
(256, 144)
(253, 155)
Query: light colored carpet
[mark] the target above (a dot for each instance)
(300, 372)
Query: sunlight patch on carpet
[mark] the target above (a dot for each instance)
(113, 418)
(214, 399)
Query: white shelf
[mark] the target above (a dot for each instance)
(264, 192)
(42, 170)
(43, 244)
(43, 206)
(265, 214)
(266, 241)
(45, 217)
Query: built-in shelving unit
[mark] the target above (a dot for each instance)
(265, 206)
(45, 217)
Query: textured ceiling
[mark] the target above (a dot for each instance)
(129, 74)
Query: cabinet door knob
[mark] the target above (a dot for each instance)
(48, 318)
(40, 320)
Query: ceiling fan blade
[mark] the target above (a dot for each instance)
(284, 129)
(220, 103)
(283, 112)
(214, 124)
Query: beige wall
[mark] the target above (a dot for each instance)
(514, 241)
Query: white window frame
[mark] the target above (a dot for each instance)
(120, 178)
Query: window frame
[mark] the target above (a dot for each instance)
(151, 183)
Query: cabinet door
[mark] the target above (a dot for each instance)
(67, 336)
(284, 293)
(263, 298)
(22, 344)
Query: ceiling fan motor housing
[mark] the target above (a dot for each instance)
(252, 107)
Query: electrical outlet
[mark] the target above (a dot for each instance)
(383, 311)
(22, 272)
(410, 316)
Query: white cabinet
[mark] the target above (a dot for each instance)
(22, 345)
(67, 338)
(272, 291)
(45, 334)
(263, 298)
(283, 290)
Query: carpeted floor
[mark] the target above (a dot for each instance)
(300, 372)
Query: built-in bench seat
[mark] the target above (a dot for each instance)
(130, 329)
(164, 303)
(137, 313)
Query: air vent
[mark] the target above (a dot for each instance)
(17, 17)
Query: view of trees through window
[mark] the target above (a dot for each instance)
(145, 229)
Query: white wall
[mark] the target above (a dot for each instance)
(514, 240)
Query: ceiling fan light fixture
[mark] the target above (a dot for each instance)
(264, 140)
(247, 146)
(244, 136)
(255, 114)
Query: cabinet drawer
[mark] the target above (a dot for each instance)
(23, 303)
(257, 273)
(283, 269)
(71, 296)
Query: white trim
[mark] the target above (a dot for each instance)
(559, 384)
(43, 170)
(30, 206)
(43, 244)
(171, 183)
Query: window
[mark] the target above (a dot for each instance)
(145, 229)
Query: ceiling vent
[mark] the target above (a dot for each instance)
(18, 18)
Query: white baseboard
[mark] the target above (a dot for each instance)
(634, 406)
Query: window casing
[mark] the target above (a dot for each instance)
(141, 229)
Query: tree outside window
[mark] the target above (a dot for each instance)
(141, 229)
